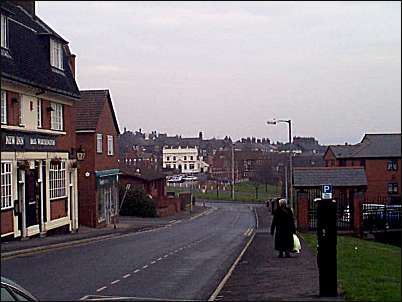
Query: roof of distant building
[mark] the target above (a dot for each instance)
(27, 60)
(336, 176)
(141, 173)
(371, 146)
(90, 107)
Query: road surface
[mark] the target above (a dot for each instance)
(184, 261)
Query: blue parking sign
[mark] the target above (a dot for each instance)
(326, 192)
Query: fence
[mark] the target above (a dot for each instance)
(380, 217)
(345, 210)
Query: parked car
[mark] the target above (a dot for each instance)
(175, 179)
(11, 291)
(190, 178)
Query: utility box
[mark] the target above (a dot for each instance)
(326, 247)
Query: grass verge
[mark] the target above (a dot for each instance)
(367, 270)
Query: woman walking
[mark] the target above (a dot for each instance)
(284, 225)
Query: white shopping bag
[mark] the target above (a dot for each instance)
(296, 244)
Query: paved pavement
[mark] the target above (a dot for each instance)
(125, 225)
(182, 260)
(261, 276)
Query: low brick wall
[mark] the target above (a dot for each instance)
(7, 221)
(168, 206)
(58, 209)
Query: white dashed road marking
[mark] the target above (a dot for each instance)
(136, 271)
(145, 266)
(115, 281)
(101, 289)
(153, 262)
(159, 259)
(126, 276)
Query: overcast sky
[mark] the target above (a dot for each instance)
(225, 68)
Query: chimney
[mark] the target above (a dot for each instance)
(29, 6)
(71, 61)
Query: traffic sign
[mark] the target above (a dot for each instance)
(326, 192)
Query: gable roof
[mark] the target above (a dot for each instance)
(337, 176)
(89, 108)
(143, 174)
(27, 60)
(380, 145)
(371, 146)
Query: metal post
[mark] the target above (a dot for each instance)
(233, 179)
(291, 165)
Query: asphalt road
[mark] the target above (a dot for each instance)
(184, 261)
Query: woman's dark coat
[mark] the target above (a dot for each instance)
(284, 224)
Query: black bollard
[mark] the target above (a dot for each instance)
(326, 247)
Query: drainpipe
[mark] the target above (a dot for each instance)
(40, 180)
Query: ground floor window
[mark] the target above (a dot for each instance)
(57, 180)
(6, 186)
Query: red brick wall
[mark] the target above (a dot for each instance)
(106, 127)
(87, 185)
(378, 177)
(329, 158)
(58, 208)
(45, 114)
(87, 194)
(7, 224)
(13, 109)
(302, 211)
(68, 141)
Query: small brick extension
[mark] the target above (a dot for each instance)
(262, 276)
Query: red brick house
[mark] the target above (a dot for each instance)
(152, 182)
(380, 155)
(38, 148)
(97, 132)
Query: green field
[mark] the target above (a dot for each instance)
(243, 192)
(367, 270)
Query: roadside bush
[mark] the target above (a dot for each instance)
(137, 203)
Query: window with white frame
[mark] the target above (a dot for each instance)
(39, 113)
(57, 180)
(99, 141)
(4, 32)
(56, 54)
(56, 116)
(3, 107)
(109, 145)
(6, 186)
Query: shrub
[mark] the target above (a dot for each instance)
(137, 203)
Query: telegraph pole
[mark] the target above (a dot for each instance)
(233, 178)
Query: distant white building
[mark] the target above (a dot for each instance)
(187, 159)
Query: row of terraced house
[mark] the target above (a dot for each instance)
(59, 150)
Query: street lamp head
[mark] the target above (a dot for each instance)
(271, 122)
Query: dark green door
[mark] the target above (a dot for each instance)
(32, 197)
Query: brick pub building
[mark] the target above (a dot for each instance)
(38, 92)
(97, 132)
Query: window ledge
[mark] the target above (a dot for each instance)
(36, 130)
(58, 198)
(6, 53)
(58, 70)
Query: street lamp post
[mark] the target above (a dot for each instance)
(289, 122)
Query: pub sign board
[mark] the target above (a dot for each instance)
(26, 141)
